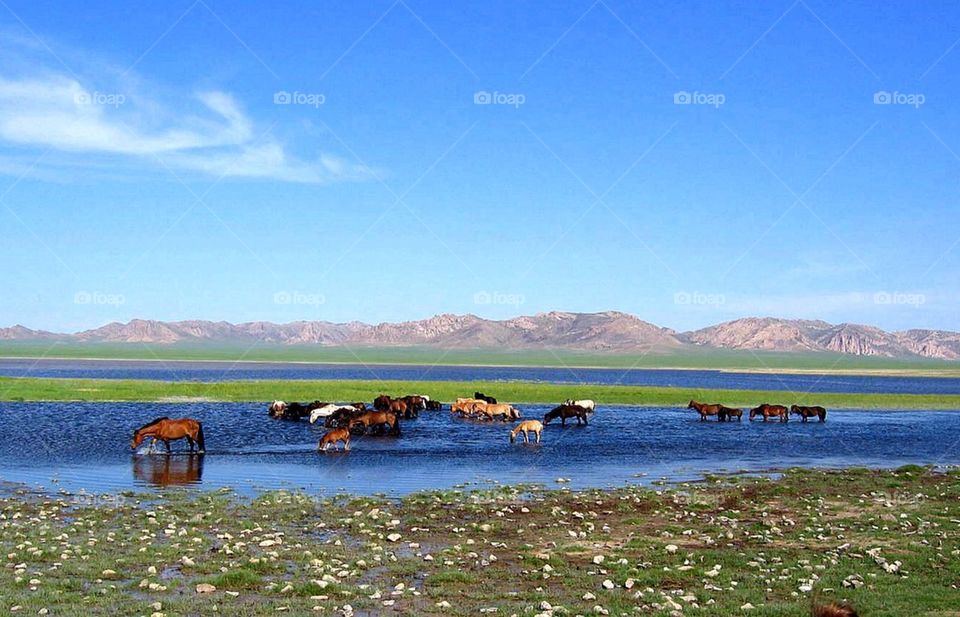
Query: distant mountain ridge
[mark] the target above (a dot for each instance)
(609, 331)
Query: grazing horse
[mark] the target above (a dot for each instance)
(333, 438)
(586, 403)
(567, 411)
(434, 405)
(377, 419)
(382, 402)
(503, 411)
(526, 427)
(485, 398)
(731, 412)
(770, 411)
(166, 430)
(705, 410)
(809, 412)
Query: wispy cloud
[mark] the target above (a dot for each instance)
(206, 132)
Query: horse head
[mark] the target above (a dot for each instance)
(794, 409)
(692, 404)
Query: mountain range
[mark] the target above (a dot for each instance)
(611, 332)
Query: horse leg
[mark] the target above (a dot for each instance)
(585, 420)
(166, 442)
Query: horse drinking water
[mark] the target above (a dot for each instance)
(166, 430)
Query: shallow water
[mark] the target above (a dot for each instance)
(232, 371)
(86, 446)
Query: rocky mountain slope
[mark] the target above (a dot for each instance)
(609, 331)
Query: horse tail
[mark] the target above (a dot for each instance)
(200, 443)
(823, 414)
(396, 424)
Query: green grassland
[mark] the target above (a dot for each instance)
(49, 389)
(887, 542)
(701, 359)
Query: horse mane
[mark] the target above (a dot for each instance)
(152, 422)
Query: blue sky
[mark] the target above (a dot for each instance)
(146, 169)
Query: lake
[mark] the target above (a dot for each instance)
(709, 379)
(86, 446)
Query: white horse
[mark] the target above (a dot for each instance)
(585, 403)
(327, 411)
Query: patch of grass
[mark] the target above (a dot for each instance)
(48, 389)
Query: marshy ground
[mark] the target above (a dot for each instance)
(887, 541)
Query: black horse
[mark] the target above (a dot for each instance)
(434, 405)
(483, 397)
(567, 411)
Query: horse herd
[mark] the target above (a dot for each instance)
(764, 410)
(344, 420)
(355, 419)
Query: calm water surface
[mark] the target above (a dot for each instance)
(226, 371)
(86, 446)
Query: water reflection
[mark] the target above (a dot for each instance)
(168, 470)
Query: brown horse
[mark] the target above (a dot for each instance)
(166, 430)
(526, 427)
(809, 412)
(500, 410)
(382, 402)
(567, 411)
(770, 411)
(168, 470)
(333, 438)
(467, 406)
(731, 412)
(400, 409)
(705, 410)
(377, 419)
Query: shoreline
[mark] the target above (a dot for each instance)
(920, 373)
(884, 542)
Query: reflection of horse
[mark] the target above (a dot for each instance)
(525, 427)
(566, 411)
(770, 411)
(166, 430)
(708, 410)
(168, 470)
(809, 412)
(834, 610)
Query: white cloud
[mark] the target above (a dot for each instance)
(207, 133)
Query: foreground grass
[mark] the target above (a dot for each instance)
(888, 542)
(43, 389)
(753, 360)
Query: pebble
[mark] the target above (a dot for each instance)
(205, 588)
